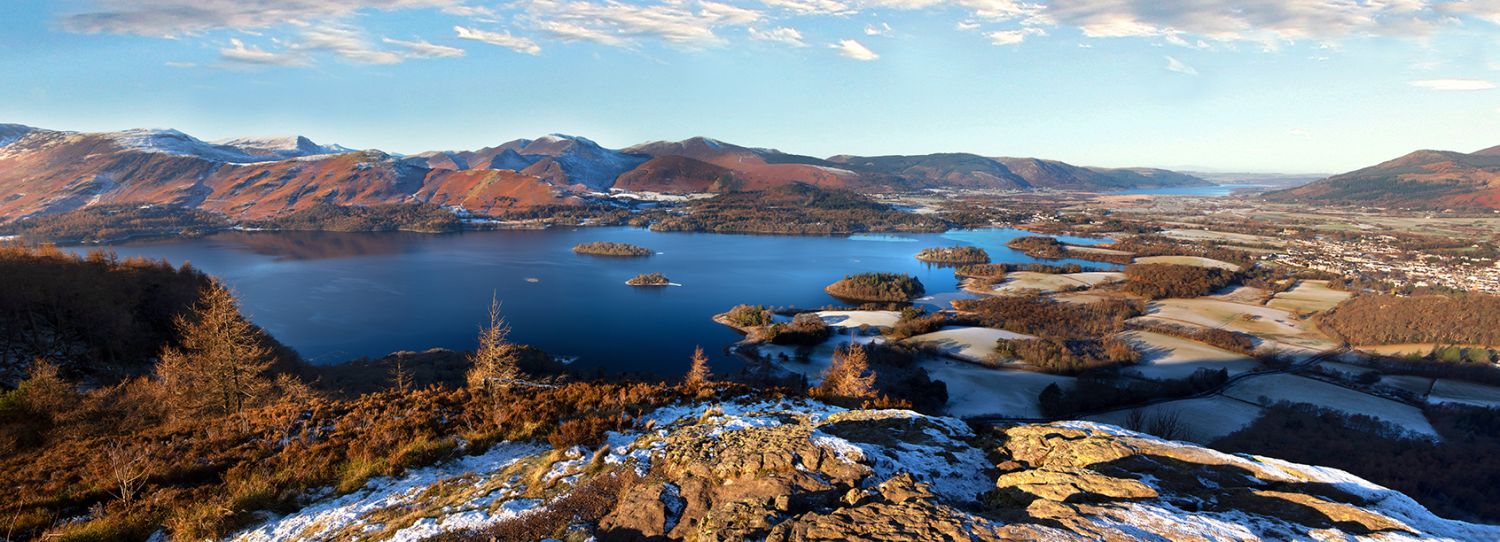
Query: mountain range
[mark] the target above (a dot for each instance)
(1424, 179)
(48, 171)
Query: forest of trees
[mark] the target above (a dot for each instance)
(606, 248)
(1157, 281)
(1232, 341)
(1071, 338)
(94, 316)
(1156, 245)
(1036, 246)
(954, 255)
(424, 218)
(999, 270)
(877, 287)
(1461, 319)
(796, 209)
(1104, 389)
(101, 223)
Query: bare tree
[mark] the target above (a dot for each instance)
(1166, 424)
(495, 364)
(698, 376)
(849, 376)
(127, 467)
(400, 377)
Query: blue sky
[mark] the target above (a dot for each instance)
(1293, 86)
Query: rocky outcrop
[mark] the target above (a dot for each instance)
(807, 471)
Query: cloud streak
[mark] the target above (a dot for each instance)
(1453, 84)
(1174, 65)
(518, 44)
(855, 50)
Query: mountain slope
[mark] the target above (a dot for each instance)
(1425, 179)
(799, 470)
(758, 168)
(45, 172)
(952, 170)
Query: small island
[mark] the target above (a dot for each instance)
(954, 255)
(877, 287)
(1047, 248)
(606, 248)
(649, 279)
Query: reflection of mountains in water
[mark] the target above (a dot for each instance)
(319, 245)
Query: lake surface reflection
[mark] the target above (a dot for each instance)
(338, 296)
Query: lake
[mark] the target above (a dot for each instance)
(1202, 191)
(340, 296)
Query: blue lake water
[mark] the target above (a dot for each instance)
(338, 296)
(1204, 191)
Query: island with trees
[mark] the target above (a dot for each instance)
(954, 255)
(649, 279)
(877, 288)
(607, 248)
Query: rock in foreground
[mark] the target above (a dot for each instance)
(784, 471)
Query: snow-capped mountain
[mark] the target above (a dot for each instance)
(47, 171)
(281, 147)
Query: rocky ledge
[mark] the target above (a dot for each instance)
(797, 470)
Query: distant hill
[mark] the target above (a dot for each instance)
(45, 172)
(1424, 179)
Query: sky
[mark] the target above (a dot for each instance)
(1297, 86)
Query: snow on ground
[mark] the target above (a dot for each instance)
(1248, 295)
(1189, 260)
(1024, 281)
(1095, 250)
(975, 344)
(944, 300)
(974, 390)
(1204, 420)
(1417, 385)
(1275, 328)
(482, 503)
(1296, 389)
(1206, 235)
(1457, 391)
(1168, 357)
(1309, 296)
(954, 468)
(810, 361)
(1387, 502)
(855, 319)
(1158, 520)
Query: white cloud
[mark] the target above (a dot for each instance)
(424, 49)
(812, 7)
(785, 35)
(574, 32)
(877, 30)
(1453, 84)
(345, 42)
(1174, 65)
(187, 17)
(239, 53)
(1013, 37)
(966, 25)
(855, 50)
(678, 22)
(1299, 133)
(519, 44)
